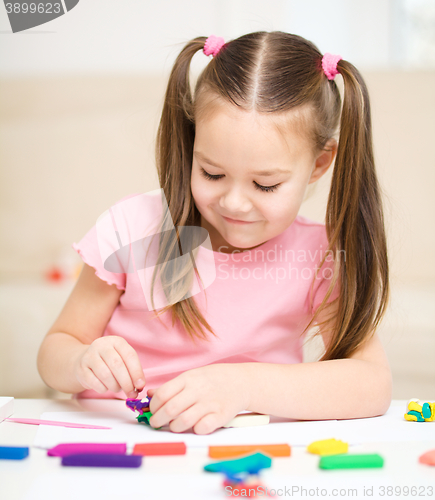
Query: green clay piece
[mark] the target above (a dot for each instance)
(145, 418)
(426, 410)
(346, 461)
(416, 414)
(251, 464)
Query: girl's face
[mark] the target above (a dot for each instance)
(244, 169)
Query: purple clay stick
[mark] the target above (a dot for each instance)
(102, 460)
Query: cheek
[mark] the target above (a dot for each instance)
(283, 207)
(200, 193)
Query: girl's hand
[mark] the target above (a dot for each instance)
(110, 364)
(204, 398)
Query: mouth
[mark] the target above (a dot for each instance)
(235, 221)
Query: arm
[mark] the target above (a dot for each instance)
(355, 387)
(66, 352)
(207, 397)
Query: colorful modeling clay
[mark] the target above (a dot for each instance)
(142, 406)
(251, 464)
(139, 405)
(145, 417)
(13, 452)
(177, 448)
(273, 450)
(328, 447)
(102, 460)
(420, 411)
(347, 461)
(428, 458)
(65, 449)
(241, 485)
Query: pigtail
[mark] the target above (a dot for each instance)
(174, 150)
(355, 224)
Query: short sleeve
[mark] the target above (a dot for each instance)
(102, 249)
(109, 246)
(89, 251)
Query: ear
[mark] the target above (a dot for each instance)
(323, 160)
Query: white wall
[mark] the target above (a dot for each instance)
(143, 36)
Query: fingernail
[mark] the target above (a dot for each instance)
(132, 394)
(140, 383)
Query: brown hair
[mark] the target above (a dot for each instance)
(275, 72)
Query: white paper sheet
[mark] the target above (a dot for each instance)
(6, 407)
(126, 429)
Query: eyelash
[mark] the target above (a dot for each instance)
(265, 189)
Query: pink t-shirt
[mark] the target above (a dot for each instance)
(258, 303)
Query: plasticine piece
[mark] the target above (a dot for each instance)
(102, 460)
(416, 400)
(347, 461)
(145, 418)
(251, 464)
(14, 452)
(414, 406)
(143, 407)
(273, 450)
(178, 448)
(417, 415)
(426, 411)
(240, 485)
(427, 458)
(328, 447)
(420, 411)
(431, 418)
(139, 405)
(236, 478)
(65, 449)
(248, 420)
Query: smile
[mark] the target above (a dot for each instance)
(233, 221)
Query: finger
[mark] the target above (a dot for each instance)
(171, 409)
(103, 371)
(165, 393)
(119, 378)
(139, 393)
(132, 363)
(207, 424)
(187, 419)
(93, 382)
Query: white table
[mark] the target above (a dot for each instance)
(182, 477)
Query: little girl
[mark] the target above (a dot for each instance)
(234, 162)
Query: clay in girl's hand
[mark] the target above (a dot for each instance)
(139, 405)
(142, 407)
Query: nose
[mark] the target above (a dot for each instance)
(235, 202)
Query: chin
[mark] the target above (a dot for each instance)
(243, 246)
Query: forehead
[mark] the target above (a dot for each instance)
(275, 134)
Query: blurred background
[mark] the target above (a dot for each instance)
(80, 102)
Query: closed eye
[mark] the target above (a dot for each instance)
(266, 189)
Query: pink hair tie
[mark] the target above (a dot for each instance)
(329, 65)
(213, 45)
